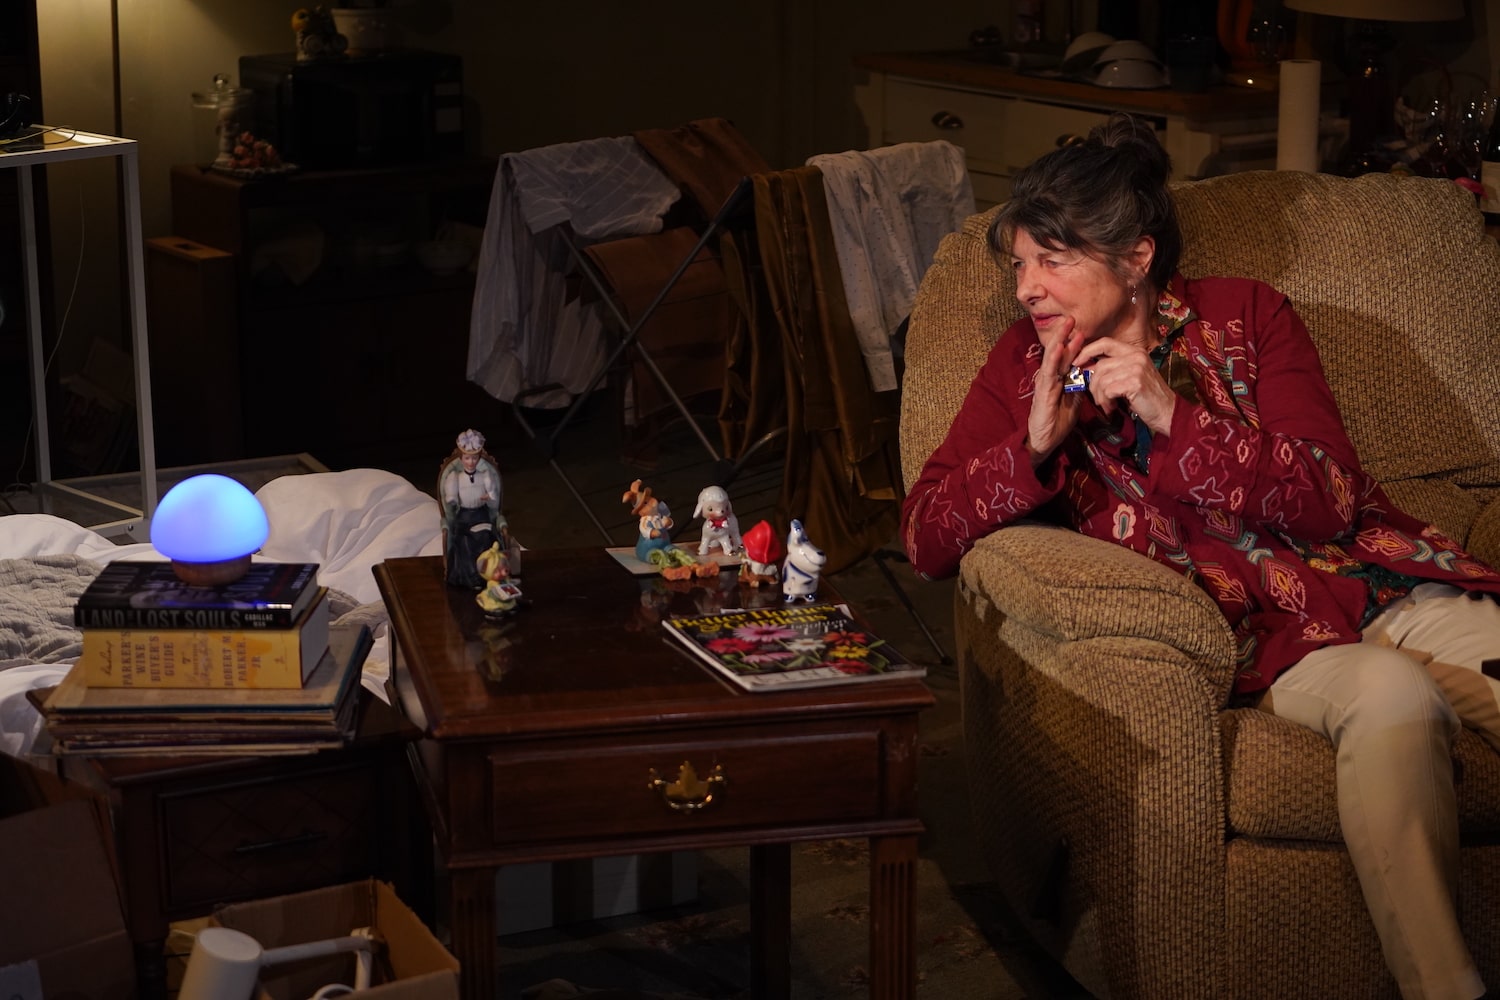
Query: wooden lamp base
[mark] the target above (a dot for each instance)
(211, 574)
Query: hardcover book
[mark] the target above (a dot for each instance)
(88, 720)
(206, 658)
(793, 646)
(134, 594)
(318, 699)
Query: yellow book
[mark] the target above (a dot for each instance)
(206, 658)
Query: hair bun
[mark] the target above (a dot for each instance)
(1122, 130)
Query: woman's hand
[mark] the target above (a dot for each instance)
(1122, 377)
(1054, 413)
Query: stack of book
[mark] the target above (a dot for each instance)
(251, 666)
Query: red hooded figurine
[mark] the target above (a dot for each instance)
(762, 555)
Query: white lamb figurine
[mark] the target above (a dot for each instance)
(720, 526)
(804, 561)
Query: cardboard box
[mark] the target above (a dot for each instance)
(62, 933)
(413, 965)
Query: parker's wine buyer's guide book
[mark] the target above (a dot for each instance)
(791, 646)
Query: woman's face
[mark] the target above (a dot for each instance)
(1057, 285)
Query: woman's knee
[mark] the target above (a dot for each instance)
(1391, 688)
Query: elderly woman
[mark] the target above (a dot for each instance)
(1189, 420)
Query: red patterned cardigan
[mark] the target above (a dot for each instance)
(1259, 462)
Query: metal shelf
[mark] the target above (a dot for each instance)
(61, 145)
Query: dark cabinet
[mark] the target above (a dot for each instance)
(345, 346)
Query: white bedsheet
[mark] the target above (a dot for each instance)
(346, 521)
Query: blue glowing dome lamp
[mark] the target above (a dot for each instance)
(208, 526)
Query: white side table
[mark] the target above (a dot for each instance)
(62, 144)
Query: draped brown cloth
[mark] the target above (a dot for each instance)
(842, 464)
(707, 157)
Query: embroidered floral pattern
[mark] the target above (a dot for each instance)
(1233, 469)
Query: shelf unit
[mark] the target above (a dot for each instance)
(59, 146)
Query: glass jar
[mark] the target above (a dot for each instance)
(219, 116)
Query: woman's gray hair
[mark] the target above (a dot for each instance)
(1098, 195)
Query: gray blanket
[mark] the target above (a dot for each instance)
(37, 595)
(36, 608)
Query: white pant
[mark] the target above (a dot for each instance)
(1392, 706)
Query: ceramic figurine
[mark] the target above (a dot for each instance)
(804, 561)
(720, 526)
(655, 520)
(317, 38)
(500, 596)
(762, 552)
(470, 496)
(654, 542)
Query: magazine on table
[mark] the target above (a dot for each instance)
(791, 646)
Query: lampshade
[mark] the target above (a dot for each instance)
(1383, 10)
(209, 525)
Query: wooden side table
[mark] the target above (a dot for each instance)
(192, 832)
(551, 734)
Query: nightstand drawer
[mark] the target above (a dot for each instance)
(242, 840)
(576, 792)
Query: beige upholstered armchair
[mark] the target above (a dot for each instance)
(1156, 842)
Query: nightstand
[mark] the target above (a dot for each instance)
(193, 832)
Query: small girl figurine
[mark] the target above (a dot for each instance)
(500, 594)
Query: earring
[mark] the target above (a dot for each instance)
(1132, 295)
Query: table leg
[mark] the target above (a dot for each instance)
(893, 908)
(471, 928)
(151, 969)
(770, 922)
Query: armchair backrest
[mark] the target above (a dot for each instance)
(1395, 278)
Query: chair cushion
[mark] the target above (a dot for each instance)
(1390, 275)
(1280, 780)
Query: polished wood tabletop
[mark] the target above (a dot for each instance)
(556, 733)
(587, 652)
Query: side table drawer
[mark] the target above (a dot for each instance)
(605, 787)
(243, 840)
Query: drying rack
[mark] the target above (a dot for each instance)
(725, 470)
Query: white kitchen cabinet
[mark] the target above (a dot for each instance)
(1004, 119)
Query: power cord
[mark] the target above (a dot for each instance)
(13, 140)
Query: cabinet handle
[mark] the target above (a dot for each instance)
(947, 120)
(688, 793)
(297, 840)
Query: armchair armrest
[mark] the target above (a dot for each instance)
(1483, 542)
(1060, 583)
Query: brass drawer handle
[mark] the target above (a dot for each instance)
(297, 840)
(688, 793)
(947, 120)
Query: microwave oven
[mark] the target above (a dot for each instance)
(389, 108)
